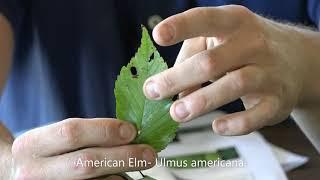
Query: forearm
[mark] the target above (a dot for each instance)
(307, 112)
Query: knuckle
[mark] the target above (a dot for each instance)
(111, 129)
(258, 77)
(260, 42)
(199, 104)
(269, 109)
(85, 164)
(239, 80)
(272, 109)
(134, 153)
(242, 15)
(20, 145)
(69, 131)
(200, 11)
(167, 82)
(244, 126)
(207, 65)
(203, 12)
(240, 11)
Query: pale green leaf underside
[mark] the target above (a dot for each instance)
(151, 118)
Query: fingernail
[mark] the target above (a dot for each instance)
(222, 127)
(181, 111)
(166, 33)
(148, 155)
(126, 131)
(152, 90)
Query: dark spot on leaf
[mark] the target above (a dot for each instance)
(151, 57)
(134, 72)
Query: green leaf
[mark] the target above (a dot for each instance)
(151, 118)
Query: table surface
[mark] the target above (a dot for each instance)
(289, 136)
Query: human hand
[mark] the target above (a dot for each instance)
(61, 150)
(245, 56)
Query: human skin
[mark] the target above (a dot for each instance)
(52, 152)
(273, 67)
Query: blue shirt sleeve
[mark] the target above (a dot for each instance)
(13, 11)
(314, 11)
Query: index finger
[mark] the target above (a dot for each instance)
(72, 134)
(204, 21)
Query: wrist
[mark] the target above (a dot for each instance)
(310, 91)
(302, 46)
